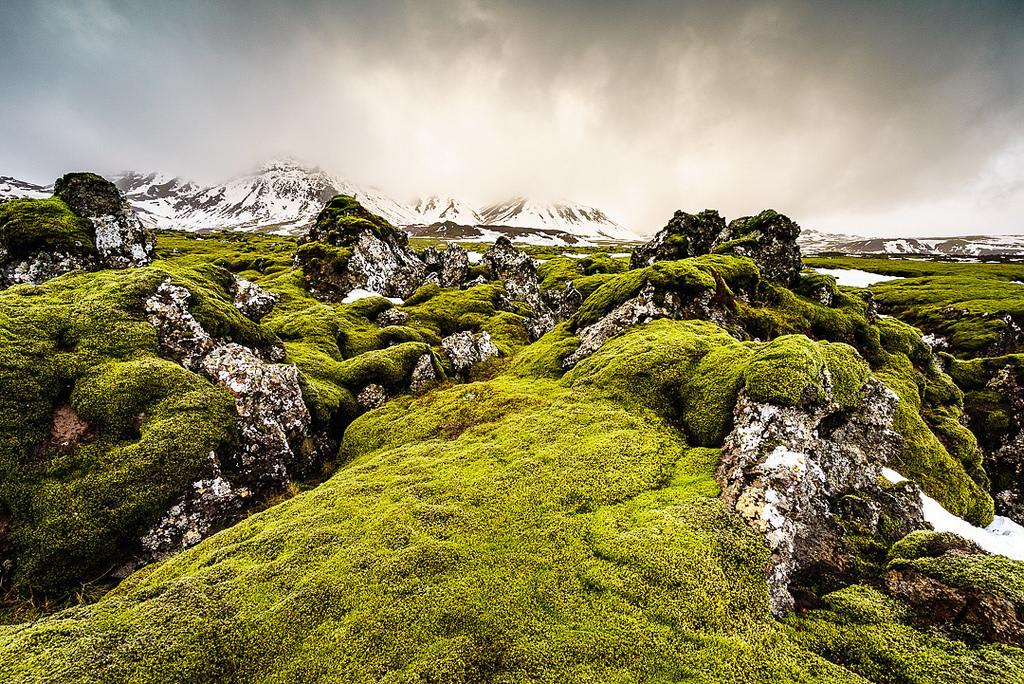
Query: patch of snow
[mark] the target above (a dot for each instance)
(853, 277)
(1003, 536)
(474, 257)
(359, 293)
(575, 255)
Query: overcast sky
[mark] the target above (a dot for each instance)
(902, 118)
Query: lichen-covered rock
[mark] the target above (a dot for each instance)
(392, 316)
(209, 504)
(350, 248)
(785, 469)
(272, 421)
(372, 396)
(424, 375)
(769, 238)
(179, 334)
(649, 304)
(120, 238)
(252, 300)
(518, 272)
(451, 265)
(272, 414)
(87, 225)
(686, 235)
(466, 348)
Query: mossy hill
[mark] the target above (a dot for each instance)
(532, 524)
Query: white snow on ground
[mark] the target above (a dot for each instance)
(852, 277)
(359, 293)
(575, 255)
(474, 257)
(1003, 536)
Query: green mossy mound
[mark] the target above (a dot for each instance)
(343, 218)
(28, 226)
(97, 433)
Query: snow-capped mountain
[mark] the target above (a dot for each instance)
(969, 246)
(12, 187)
(436, 209)
(572, 217)
(282, 196)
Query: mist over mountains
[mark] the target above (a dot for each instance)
(283, 196)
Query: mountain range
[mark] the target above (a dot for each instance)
(284, 196)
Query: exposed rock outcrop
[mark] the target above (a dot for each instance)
(350, 248)
(450, 266)
(273, 424)
(252, 300)
(787, 470)
(768, 238)
(466, 349)
(650, 303)
(686, 235)
(518, 272)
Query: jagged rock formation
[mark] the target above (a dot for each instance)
(650, 303)
(272, 422)
(787, 469)
(349, 248)
(686, 235)
(518, 272)
(85, 226)
(448, 267)
(769, 238)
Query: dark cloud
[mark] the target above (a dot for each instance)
(860, 116)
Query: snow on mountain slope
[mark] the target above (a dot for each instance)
(283, 196)
(436, 209)
(12, 187)
(571, 217)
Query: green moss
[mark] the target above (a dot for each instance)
(791, 371)
(78, 342)
(866, 632)
(30, 225)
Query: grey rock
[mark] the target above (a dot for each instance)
(121, 239)
(451, 265)
(392, 316)
(424, 375)
(769, 238)
(790, 470)
(179, 334)
(372, 396)
(252, 300)
(686, 235)
(465, 349)
(646, 306)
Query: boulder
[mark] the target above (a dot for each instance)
(273, 425)
(252, 300)
(120, 238)
(791, 472)
(518, 272)
(451, 265)
(424, 376)
(350, 248)
(465, 349)
(770, 239)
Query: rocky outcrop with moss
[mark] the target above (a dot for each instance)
(350, 248)
(768, 238)
(86, 225)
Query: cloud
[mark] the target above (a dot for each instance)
(851, 116)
